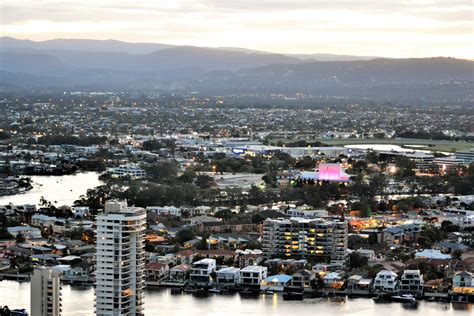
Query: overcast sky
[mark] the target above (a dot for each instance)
(392, 28)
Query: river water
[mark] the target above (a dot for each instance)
(160, 302)
(60, 190)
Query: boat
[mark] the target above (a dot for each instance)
(214, 290)
(404, 298)
(267, 291)
(382, 298)
(249, 292)
(293, 295)
(191, 290)
(176, 290)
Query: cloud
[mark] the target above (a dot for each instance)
(386, 27)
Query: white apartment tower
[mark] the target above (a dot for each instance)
(45, 293)
(120, 260)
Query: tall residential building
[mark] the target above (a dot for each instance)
(120, 260)
(306, 238)
(45, 293)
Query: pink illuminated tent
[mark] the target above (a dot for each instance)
(331, 172)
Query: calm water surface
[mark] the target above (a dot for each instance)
(62, 190)
(161, 302)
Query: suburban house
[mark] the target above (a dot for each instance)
(302, 278)
(201, 271)
(252, 276)
(358, 283)
(155, 271)
(228, 241)
(178, 274)
(228, 276)
(333, 280)
(251, 259)
(411, 282)
(385, 281)
(275, 283)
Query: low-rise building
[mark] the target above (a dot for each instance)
(201, 271)
(179, 274)
(155, 271)
(128, 170)
(252, 276)
(385, 281)
(463, 282)
(303, 279)
(228, 276)
(275, 283)
(411, 282)
(228, 241)
(250, 259)
(333, 280)
(26, 231)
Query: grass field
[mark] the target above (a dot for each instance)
(425, 144)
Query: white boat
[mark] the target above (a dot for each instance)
(214, 290)
(404, 298)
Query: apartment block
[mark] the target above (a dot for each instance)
(120, 260)
(305, 238)
(45, 293)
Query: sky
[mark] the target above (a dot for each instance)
(389, 28)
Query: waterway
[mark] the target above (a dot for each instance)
(60, 190)
(160, 302)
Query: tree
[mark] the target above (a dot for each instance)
(20, 238)
(160, 171)
(149, 247)
(185, 235)
(356, 260)
(405, 167)
(224, 214)
(372, 157)
(188, 176)
(457, 254)
(204, 181)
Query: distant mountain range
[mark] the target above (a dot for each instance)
(110, 64)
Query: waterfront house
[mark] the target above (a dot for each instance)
(155, 271)
(303, 278)
(275, 283)
(78, 274)
(252, 276)
(201, 271)
(411, 282)
(463, 282)
(463, 287)
(333, 280)
(436, 286)
(228, 276)
(179, 274)
(358, 283)
(385, 281)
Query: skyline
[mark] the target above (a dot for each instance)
(419, 28)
